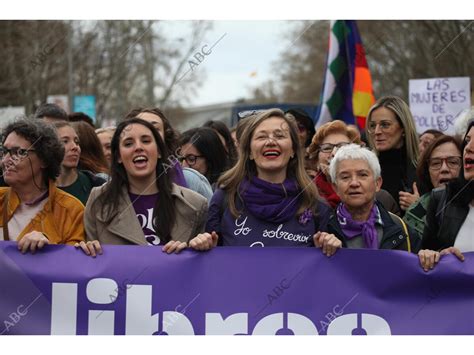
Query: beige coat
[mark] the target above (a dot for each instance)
(124, 228)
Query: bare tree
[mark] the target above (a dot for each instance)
(122, 63)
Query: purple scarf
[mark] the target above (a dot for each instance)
(276, 203)
(352, 228)
(177, 175)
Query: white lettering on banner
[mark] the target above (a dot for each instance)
(370, 325)
(285, 235)
(139, 319)
(64, 310)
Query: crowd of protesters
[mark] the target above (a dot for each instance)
(272, 180)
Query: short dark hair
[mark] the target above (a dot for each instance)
(423, 168)
(302, 117)
(170, 135)
(51, 110)
(44, 139)
(434, 132)
(221, 128)
(81, 116)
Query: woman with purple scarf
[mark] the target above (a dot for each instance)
(360, 220)
(267, 199)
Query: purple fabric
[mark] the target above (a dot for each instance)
(271, 202)
(178, 176)
(144, 205)
(251, 231)
(352, 229)
(136, 289)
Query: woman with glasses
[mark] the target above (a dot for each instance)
(391, 133)
(328, 139)
(267, 199)
(439, 164)
(33, 211)
(202, 150)
(141, 205)
(450, 214)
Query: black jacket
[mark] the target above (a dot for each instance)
(444, 217)
(398, 172)
(396, 234)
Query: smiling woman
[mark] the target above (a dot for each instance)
(267, 199)
(140, 204)
(185, 177)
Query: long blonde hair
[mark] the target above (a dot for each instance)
(404, 117)
(246, 168)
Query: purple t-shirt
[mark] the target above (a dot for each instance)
(248, 230)
(144, 206)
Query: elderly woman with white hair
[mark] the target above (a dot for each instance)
(360, 221)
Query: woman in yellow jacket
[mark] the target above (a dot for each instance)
(33, 211)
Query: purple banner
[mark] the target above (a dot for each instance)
(140, 290)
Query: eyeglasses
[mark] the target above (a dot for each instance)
(190, 159)
(384, 126)
(451, 162)
(15, 152)
(328, 147)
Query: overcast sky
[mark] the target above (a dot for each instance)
(246, 48)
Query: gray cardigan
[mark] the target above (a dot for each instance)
(124, 228)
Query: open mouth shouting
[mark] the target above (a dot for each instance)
(140, 161)
(468, 163)
(444, 180)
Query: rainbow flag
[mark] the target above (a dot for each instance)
(347, 91)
